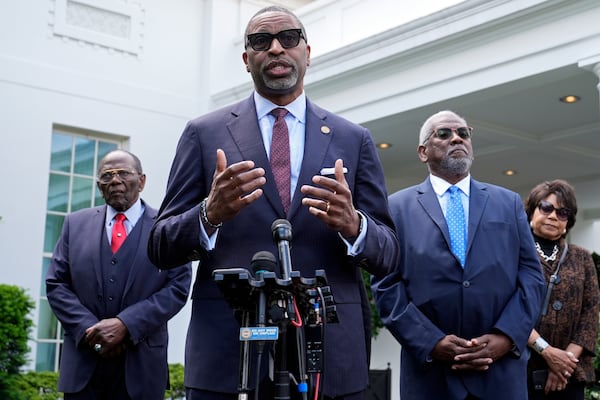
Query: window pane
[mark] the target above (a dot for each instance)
(84, 156)
(60, 159)
(45, 265)
(104, 148)
(82, 193)
(53, 227)
(58, 193)
(44, 360)
(47, 322)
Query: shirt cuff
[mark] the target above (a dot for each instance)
(354, 249)
(207, 242)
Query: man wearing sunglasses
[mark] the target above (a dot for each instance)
(228, 185)
(468, 287)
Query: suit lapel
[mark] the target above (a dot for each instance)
(477, 201)
(98, 235)
(142, 226)
(245, 132)
(430, 203)
(317, 139)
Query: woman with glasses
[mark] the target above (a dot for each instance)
(564, 340)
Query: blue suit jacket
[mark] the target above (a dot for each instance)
(75, 289)
(429, 295)
(212, 349)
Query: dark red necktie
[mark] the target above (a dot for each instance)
(119, 233)
(280, 156)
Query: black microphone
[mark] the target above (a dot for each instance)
(263, 261)
(282, 235)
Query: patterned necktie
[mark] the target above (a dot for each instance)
(119, 233)
(455, 217)
(280, 156)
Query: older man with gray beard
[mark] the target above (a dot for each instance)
(468, 285)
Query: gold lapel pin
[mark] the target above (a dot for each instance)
(325, 130)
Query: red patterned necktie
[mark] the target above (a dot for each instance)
(280, 156)
(119, 233)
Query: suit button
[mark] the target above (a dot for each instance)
(557, 305)
(113, 261)
(466, 284)
(112, 280)
(110, 298)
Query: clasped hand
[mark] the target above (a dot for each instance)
(110, 334)
(476, 354)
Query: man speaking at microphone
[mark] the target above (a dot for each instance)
(275, 155)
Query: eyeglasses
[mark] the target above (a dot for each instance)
(288, 39)
(108, 175)
(446, 133)
(546, 208)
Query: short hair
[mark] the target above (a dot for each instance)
(137, 164)
(427, 127)
(274, 9)
(564, 192)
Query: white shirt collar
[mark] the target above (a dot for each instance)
(133, 213)
(440, 186)
(297, 107)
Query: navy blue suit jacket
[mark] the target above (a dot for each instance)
(212, 349)
(429, 295)
(75, 289)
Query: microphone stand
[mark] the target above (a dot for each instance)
(291, 300)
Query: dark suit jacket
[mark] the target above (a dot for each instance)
(75, 288)
(430, 295)
(213, 336)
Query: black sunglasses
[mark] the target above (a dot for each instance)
(288, 39)
(546, 208)
(446, 133)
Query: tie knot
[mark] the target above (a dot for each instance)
(279, 112)
(453, 190)
(120, 217)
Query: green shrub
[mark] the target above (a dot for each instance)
(15, 327)
(592, 392)
(177, 390)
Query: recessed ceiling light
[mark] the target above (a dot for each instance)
(510, 172)
(384, 145)
(570, 98)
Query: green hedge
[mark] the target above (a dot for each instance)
(42, 385)
(15, 327)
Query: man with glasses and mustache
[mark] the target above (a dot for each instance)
(111, 301)
(276, 155)
(468, 287)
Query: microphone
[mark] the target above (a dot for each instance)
(263, 261)
(282, 235)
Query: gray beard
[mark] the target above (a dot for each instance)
(278, 85)
(456, 166)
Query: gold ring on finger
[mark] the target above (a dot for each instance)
(327, 208)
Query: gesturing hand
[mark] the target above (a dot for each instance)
(233, 188)
(332, 202)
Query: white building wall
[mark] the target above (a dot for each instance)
(47, 79)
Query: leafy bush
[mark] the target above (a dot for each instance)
(593, 391)
(15, 327)
(177, 390)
